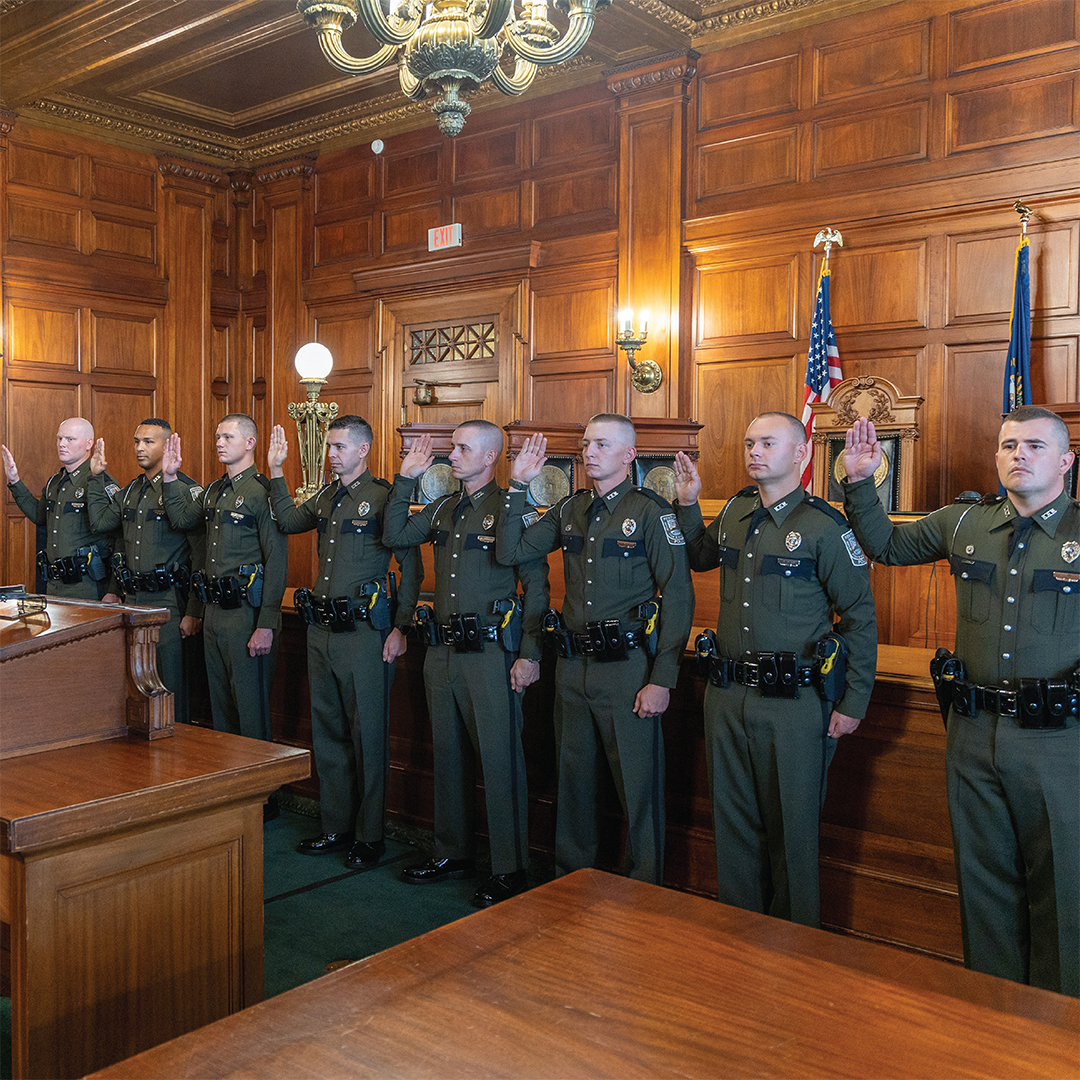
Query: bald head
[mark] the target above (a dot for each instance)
(74, 441)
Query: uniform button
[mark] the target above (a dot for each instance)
(747, 580)
(749, 554)
(787, 573)
(588, 560)
(1068, 588)
(588, 581)
(1005, 655)
(1019, 545)
(331, 540)
(455, 554)
(1012, 571)
(588, 603)
(1007, 626)
(746, 603)
(964, 575)
(746, 630)
(757, 532)
(1011, 599)
(453, 575)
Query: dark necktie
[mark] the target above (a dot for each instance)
(759, 515)
(1021, 527)
(463, 504)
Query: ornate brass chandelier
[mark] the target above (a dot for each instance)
(452, 45)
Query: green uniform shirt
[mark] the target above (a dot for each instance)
(785, 571)
(467, 578)
(1018, 615)
(149, 538)
(619, 551)
(240, 529)
(351, 553)
(62, 509)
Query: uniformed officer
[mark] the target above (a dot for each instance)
(620, 644)
(153, 561)
(75, 559)
(483, 651)
(242, 580)
(353, 637)
(788, 564)
(1013, 745)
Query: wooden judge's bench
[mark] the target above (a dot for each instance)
(131, 849)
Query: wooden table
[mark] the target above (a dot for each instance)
(598, 976)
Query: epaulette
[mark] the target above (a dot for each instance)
(382, 483)
(820, 504)
(185, 478)
(263, 480)
(582, 491)
(991, 500)
(750, 489)
(656, 498)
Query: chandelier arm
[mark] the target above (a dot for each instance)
(519, 82)
(496, 15)
(411, 86)
(581, 24)
(389, 29)
(330, 42)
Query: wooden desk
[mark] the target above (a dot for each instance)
(598, 976)
(130, 847)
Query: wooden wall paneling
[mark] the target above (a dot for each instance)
(125, 340)
(877, 287)
(652, 118)
(899, 56)
(987, 36)
(489, 212)
(746, 301)
(115, 413)
(43, 329)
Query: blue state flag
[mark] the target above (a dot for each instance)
(1017, 390)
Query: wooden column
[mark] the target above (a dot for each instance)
(652, 118)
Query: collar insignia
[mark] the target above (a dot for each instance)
(1049, 514)
(780, 506)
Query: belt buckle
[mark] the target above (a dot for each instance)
(751, 674)
(1007, 703)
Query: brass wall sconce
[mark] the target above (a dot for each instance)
(313, 364)
(645, 375)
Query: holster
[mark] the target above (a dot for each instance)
(125, 579)
(251, 583)
(376, 603)
(427, 630)
(649, 613)
(946, 669)
(551, 625)
(830, 667)
(509, 623)
(92, 564)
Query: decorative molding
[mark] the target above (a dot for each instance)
(750, 13)
(7, 121)
(675, 67)
(192, 170)
(666, 14)
(7, 5)
(283, 170)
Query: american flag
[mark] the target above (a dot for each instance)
(822, 365)
(1018, 362)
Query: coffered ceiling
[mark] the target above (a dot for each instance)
(241, 82)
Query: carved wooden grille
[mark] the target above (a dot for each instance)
(438, 345)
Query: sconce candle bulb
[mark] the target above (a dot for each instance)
(313, 364)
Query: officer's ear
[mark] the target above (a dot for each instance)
(631, 453)
(801, 450)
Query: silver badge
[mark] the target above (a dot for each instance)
(79, 493)
(970, 549)
(628, 527)
(568, 528)
(1070, 551)
(489, 521)
(792, 540)
(363, 509)
(239, 500)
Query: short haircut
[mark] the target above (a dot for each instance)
(793, 422)
(490, 435)
(244, 422)
(85, 428)
(156, 421)
(358, 428)
(624, 423)
(1026, 413)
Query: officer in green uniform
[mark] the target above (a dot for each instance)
(483, 651)
(75, 559)
(153, 562)
(619, 647)
(242, 580)
(1012, 754)
(788, 564)
(353, 637)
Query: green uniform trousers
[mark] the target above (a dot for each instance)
(239, 682)
(350, 714)
(767, 760)
(474, 711)
(1017, 856)
(594, 720)
(87, 589)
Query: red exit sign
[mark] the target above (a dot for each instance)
(445, 236)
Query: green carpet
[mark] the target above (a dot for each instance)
(318, 911)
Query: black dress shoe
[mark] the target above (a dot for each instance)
(500, 887)
(363, 855)
(325, 844)
(438, 870)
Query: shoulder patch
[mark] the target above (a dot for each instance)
(111, 490)
(531, 518)
(855, 553)
(195, 492)
(825, 508)
(672, 531)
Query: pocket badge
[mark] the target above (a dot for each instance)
(239, 500)
(1070, 551)
(79, 493)
(792, 540)
(489, 521)
(363, 509)
(628, 527)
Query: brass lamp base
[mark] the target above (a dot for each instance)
(646, 376)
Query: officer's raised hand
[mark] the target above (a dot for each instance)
(171, 459)
(530, 460)
(687, 480)
(97, 458)
(862, 451)
(277, 451)
(10, 470)
(419, 458)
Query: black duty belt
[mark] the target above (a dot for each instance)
(338, 614)
(70, 568)
(1037, 703)
(775, 674)
(160, 580)
(596, 642)
(465, 633)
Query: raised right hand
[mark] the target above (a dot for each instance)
(277, 451)
(97, 458)
(171, 459)
(530, 460)
(687, 480)
(10, 469)
(862, 451)
(419, 458)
